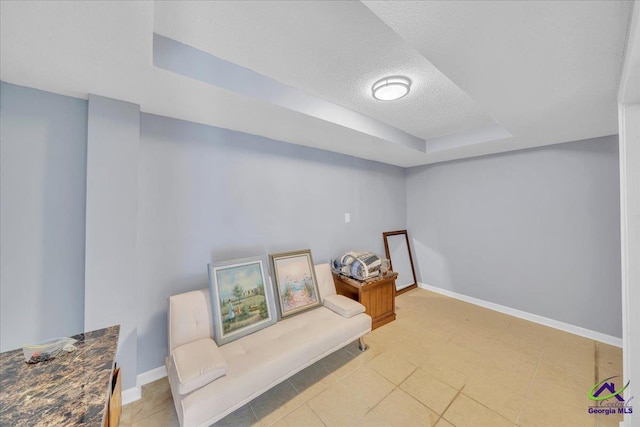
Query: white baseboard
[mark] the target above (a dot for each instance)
(566, 327)
(131, 395)
(135, 393)
(151, 376)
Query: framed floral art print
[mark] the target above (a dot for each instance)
(294, 279)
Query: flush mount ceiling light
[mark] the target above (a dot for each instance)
(391, 88)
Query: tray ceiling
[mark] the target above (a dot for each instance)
(487, 76)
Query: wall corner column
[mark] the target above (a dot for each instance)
(113, 139)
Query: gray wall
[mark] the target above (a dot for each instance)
(110, 290)
(535, 230)
(203, 194)
(43, 154)
(211, 194)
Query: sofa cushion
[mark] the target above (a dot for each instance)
(189, 318)
(325, 280)
(197, 364)
(345, 307)
(259, 361)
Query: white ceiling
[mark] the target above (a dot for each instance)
(543, 72)
(334, 51)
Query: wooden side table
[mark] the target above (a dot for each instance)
(378, 296)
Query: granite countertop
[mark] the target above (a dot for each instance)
(70, 390)
(359, 283)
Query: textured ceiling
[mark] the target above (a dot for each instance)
(545, 70)
(334, 50)
(542, 72)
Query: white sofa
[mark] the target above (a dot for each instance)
(209, 382)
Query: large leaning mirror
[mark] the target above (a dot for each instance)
(398, 251)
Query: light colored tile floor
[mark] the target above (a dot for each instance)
(443, 363)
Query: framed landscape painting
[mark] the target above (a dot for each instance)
(241, 299)
(294, 278)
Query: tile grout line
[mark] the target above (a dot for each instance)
(526, 396)
(449, 405)
(419, 401)
(361, 399)
(413, 397)
(158, 409)
(487, 407)
(253, 412)
(314, 412)
(388, 344)
(285, 415)
(293, 386)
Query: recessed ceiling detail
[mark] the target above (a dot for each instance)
(333, 50)
(179, 58)
(527, 74)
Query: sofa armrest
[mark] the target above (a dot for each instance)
(197, 364)
(342, 305)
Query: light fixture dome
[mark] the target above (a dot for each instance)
(391, 88)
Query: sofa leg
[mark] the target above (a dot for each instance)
(362, 345)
